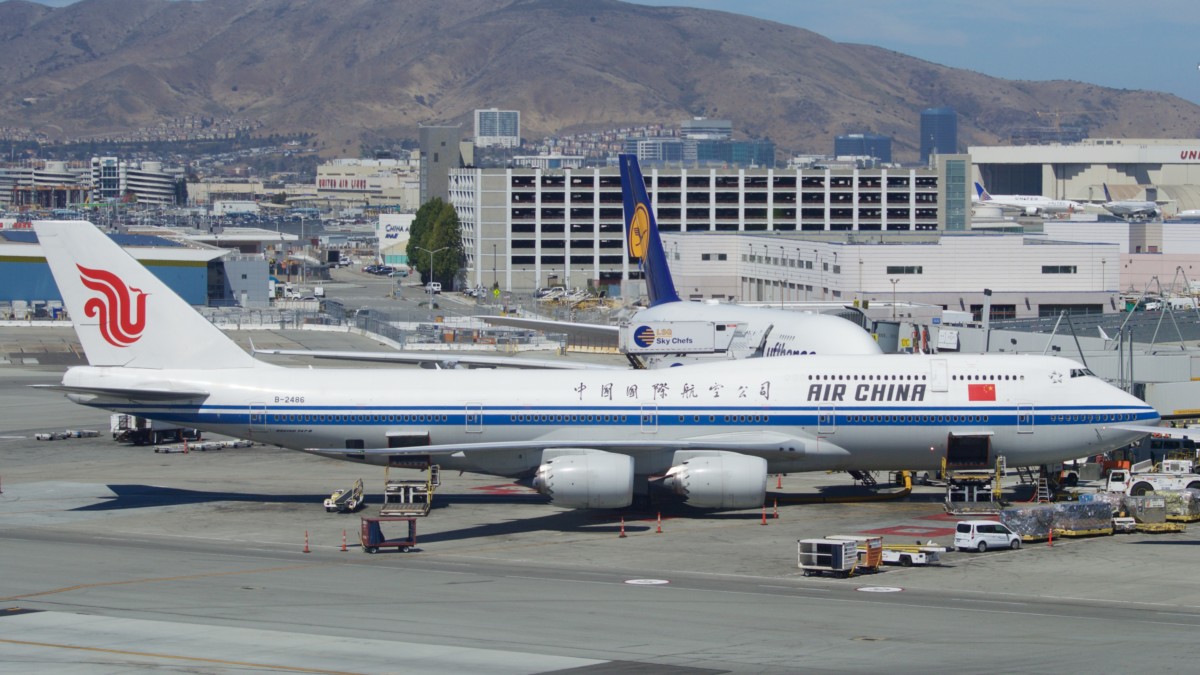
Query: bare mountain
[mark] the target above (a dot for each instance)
(355, 69)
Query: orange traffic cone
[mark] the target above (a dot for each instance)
(764, 514)
(622, 527)
(306, 549)
(344, 540)
(659, 530)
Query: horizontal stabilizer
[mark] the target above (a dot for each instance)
(138, 394)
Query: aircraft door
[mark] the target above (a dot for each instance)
(826, 419)
(258, 417)
(1025, 419)
(649, 419)
(939, 375)
(474, 418)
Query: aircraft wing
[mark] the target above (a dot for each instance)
(760, 444)
(1167, 432)
(577, 333)
(445, 360)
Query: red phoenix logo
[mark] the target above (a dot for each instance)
(115, 307)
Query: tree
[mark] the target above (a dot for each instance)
(435, 227)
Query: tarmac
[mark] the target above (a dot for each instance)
(115, 558)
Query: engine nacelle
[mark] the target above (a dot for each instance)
(722, 480)
(582, 478)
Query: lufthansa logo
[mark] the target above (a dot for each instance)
(643, 337)
(639, 232)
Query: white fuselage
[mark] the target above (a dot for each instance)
(1031, 204)
(787, 332)
(870, 413)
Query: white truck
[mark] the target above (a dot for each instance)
(1172, 474)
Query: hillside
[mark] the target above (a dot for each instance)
(358, 69)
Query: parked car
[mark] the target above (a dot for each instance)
(433, 287)
(980, 535)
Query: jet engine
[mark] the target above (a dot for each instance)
(720, 480)
(581, 478)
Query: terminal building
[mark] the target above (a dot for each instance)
(1166, 171)
(532, 228)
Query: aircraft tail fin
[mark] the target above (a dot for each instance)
(983, 194)
(641, 234)
(123, 314)
(1107, 196)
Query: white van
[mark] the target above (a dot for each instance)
(980, 535)
(433, 287)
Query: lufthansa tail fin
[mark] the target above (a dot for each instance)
(124, 315)
(641, 234)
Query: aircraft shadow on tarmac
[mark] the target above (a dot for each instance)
(146, 496)
(131, 496)
(607, 521)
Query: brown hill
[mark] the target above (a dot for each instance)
(356, 69)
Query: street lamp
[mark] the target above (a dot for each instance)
(894, 282)
(429, 283)
(495, 284)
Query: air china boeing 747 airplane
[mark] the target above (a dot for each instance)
(709, 433)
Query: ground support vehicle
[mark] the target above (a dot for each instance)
(409, 497)
(145, 431)
(1172, 474)
(908, 555)
(817, 556)
(1124, 525)
(347, 500)
(981, 535)
(870, 550)
(372, 538)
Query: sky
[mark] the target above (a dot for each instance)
(1147, 44)
(1151, 44)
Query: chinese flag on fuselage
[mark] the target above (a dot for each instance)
(981, 392)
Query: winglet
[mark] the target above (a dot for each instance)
(642, 241)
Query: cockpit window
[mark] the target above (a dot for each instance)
(1082, 372)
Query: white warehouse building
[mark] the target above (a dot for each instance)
(1028, 276)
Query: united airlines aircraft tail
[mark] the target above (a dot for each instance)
(641, 234)
(124, 315)
(1107, 196)
(983, 194)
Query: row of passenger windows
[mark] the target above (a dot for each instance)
(360, 418)
(1106, 417)
(568, 418)
(873, 378)
(989, 378)
(918, 419)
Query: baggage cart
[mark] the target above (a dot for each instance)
(372, 536)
